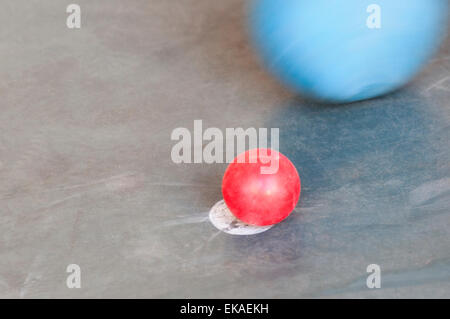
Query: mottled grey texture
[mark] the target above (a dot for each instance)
(86, 175)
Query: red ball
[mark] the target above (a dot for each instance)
(261, 187)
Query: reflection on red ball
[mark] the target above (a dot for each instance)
(261, 187)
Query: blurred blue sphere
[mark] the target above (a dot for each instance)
(347, 50)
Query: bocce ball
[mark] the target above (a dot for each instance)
(261, 187)
(346, 50)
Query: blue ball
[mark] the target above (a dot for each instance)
(347, 50)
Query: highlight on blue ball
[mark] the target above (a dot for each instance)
(347, 50)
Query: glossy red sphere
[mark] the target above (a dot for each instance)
(261, 187)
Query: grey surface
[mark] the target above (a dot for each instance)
(86, 175)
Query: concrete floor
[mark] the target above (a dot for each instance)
(86, 175)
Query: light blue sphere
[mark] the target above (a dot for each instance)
(347, 50)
